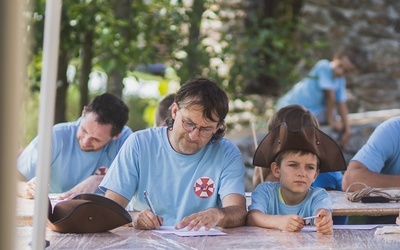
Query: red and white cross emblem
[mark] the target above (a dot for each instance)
(204, 187)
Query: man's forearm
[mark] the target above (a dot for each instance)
(234, 216)
(357, 173)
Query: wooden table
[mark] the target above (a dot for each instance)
(342, 206)
(25, 211)
(236, 238)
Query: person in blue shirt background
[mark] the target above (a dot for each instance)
(323, 91)
(81, 151)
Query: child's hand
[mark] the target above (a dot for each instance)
(324, 223)
(290, 223)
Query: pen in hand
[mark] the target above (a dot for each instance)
(311, 217)
(147, 199)
(305, 219)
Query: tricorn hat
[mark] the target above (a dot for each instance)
(307, 138)
(87, 213)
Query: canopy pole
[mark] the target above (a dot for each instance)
(46, 119)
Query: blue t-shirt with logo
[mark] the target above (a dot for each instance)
(178, 184)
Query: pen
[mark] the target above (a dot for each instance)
(147, 199)
(311, 217)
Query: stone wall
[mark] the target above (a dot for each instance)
(373, 91)
(373, 26)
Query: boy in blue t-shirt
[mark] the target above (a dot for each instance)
(295, 156)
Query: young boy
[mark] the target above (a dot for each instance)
(296, 156)
(296, 115)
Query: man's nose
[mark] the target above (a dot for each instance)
(194, 134)
(86, 140)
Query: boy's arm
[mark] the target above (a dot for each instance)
(290, 223)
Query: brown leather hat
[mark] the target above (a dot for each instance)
(307, 138)
(87, 213)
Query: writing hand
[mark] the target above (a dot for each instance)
(146, 220)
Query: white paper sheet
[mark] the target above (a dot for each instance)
(184, 232)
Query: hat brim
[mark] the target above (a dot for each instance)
(308, 138)
(87, 213)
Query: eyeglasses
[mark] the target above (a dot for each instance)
(203, 132)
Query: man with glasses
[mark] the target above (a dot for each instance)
(193, 177)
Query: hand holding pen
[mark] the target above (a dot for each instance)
(148, 201)
(306, 220)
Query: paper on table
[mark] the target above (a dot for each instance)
(341, 227)
(185, 232)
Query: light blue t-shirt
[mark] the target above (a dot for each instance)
(178, 185)
(381, 153)
(69, 164)
(309, 92)
(265, 198)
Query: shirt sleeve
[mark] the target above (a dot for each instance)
(378, 149)
(321, 200)
(232, 177)
(259, 198)
(325, 77)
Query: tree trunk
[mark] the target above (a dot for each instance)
(62, 86)
(115, 86)
(194, 40)
(87, 56)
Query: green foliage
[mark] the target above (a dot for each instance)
(137, 107)
(171, 33)
(29, 117)
(267, 48)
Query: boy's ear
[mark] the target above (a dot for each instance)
(275, 170)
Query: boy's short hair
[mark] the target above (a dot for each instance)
(280, 156)
(294, 115)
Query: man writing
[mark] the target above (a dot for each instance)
(82, 150)
(194, 177)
